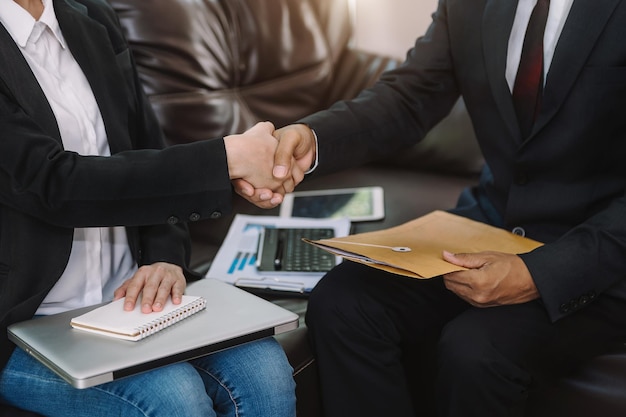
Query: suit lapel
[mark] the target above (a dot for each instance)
(97, 59)
(496, 26)
(584, 24)
(22, 84)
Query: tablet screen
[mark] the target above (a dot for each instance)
(358, 204)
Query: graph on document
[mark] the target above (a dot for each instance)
(245, 258)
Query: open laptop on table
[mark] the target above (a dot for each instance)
(232, 316)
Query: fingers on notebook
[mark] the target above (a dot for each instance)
(154, 284)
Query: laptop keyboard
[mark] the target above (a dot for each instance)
(284, 250)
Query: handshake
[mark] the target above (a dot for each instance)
(265, 163)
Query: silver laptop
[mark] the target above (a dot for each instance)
(232, 316)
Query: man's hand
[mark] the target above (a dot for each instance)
(296, 143)
(155, 283)
(493, 279)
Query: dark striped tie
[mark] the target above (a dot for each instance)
(528, 86)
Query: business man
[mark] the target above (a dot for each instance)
(479, 341)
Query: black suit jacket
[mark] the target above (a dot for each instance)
(46, 192)
(564, 184)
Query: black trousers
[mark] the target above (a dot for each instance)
(387, 345)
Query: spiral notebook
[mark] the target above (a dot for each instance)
(111, 319)
(231, 317)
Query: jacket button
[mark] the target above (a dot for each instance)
(564, 308)
(519, 231)
(583, 299)
(216, 215)
(172, 220)
(194, 217)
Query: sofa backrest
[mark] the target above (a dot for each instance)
(214, 67)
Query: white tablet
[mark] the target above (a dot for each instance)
(358, 204)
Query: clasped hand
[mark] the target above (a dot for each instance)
(264, 164)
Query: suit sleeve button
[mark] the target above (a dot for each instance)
(194, 217)
(216, 215)
(172, 220)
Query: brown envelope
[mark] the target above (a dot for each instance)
(415, 248)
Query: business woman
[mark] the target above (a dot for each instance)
(91, 209)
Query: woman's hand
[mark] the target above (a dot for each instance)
(155, 283)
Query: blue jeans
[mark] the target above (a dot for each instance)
(254, 379)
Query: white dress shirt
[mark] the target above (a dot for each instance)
(100, 259)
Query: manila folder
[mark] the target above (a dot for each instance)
(415, 248)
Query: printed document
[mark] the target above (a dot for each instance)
(236, 259)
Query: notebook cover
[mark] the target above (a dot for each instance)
(112, 320)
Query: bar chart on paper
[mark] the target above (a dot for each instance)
(241, 261)
(244, 258)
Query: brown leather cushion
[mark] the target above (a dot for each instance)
(212, 67)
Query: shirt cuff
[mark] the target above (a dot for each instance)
(315, 163)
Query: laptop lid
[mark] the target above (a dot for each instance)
(232, 316)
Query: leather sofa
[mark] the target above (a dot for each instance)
(215, 67)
